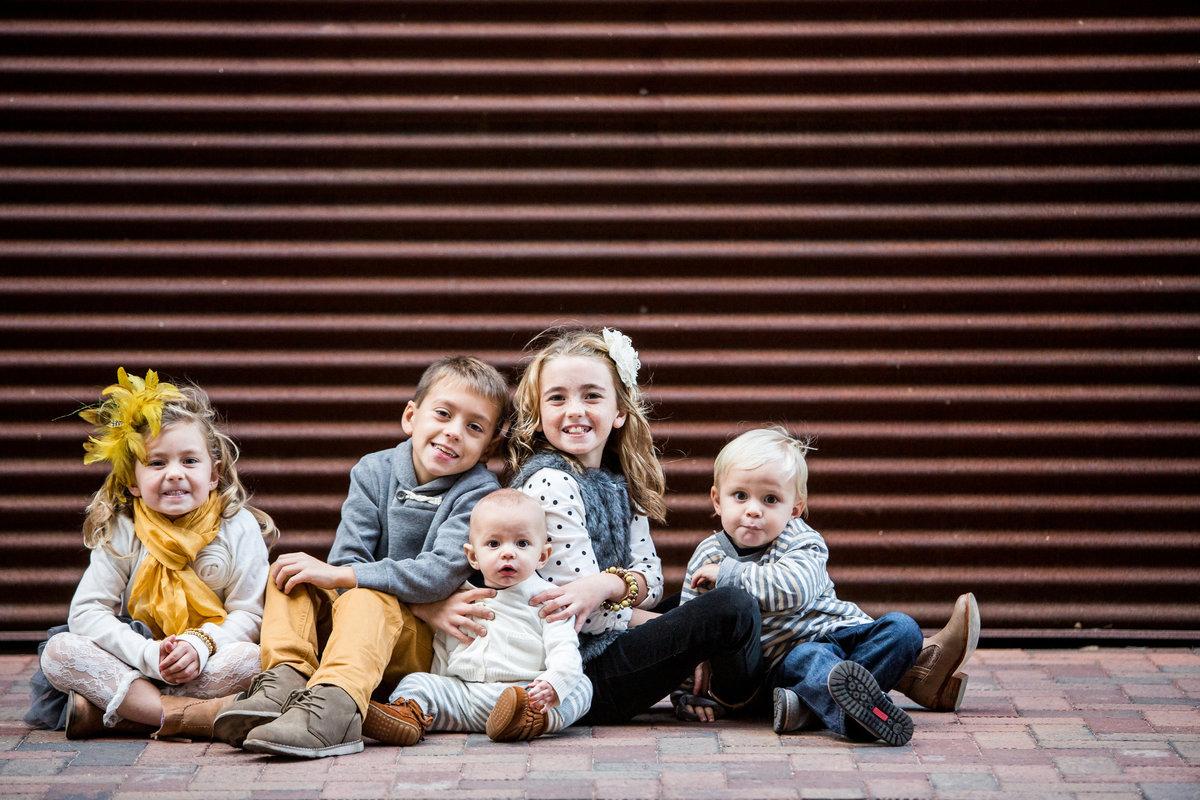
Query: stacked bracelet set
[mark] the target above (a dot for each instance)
(202, 636)
(631, 590)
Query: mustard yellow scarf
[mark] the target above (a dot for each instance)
(167, 594)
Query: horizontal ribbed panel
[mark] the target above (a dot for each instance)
(954, 241)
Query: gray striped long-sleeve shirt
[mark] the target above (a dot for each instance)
(789, 580)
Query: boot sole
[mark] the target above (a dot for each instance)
(854, 689)
(232, 727)
(274, 748)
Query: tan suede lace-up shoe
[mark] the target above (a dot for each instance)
(513, 718)
(400, 722)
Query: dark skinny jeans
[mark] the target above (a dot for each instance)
(649, 661)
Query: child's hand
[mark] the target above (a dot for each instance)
(292, 569)
(706, 576)
(578, 599)
(456, 612)
(178, 661)
(542, 696)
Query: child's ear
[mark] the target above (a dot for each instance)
(407, 417)
(547, 549)
(216, 477)
(716, 499)
(469, 549)
(798, 510)
(619, 420)
(492, 446)
(135, 491)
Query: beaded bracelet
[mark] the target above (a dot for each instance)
(204, 637)
(631, 591)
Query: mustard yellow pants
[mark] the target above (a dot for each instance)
(356, 641)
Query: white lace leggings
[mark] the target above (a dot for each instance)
(75, 663)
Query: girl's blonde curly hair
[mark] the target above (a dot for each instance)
(629, 449)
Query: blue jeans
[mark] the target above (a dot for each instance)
(647, 662)
(888, 647)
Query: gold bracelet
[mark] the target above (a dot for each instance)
(204, 637)
(631, 590)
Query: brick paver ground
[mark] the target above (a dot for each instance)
(1101, 724)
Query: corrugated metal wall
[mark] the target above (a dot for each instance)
(957, 241)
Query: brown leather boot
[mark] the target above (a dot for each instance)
(400, 722)
(513, 718)
(936, 681)
(190, 717)
(85, 721)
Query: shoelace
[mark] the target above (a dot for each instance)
(261, 681)
(306, 700)
(415, 709)
(529, 720)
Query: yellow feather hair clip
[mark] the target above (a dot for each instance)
(130, 404)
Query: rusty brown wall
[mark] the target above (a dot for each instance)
(956, 241)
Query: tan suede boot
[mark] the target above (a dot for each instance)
(259, 704)
(513, 718)
(316, 722)
(190, 717)
(936, 681)
(85, 721)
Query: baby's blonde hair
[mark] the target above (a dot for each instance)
(629, 448)
(760, 446)
(113, 498)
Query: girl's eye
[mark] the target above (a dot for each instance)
(492, 544)
(741, 496)
(771, 498)
(522, 543)
(476, 427)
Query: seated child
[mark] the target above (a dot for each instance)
(333, 631)
(164, 623)
(832, 665)
(524, 678)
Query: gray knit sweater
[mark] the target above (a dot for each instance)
(401, 545)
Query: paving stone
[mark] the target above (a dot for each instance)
(606, 789)
(1169, 791)
(906, 786)
(47, 765)
(555, 790)
(964, 781)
